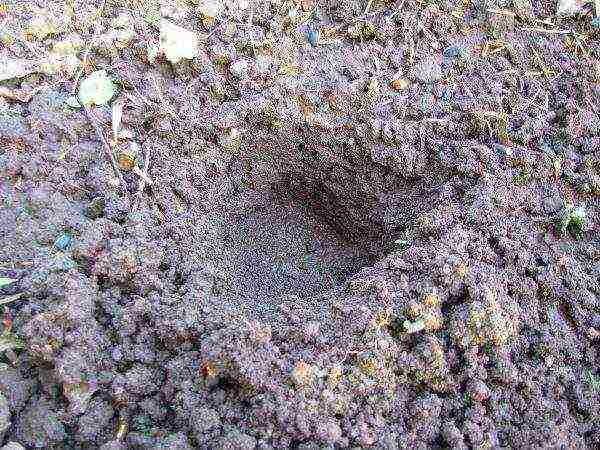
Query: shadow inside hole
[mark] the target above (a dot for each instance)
(282, 248)
(286, 231)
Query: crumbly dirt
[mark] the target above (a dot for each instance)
(358, 228)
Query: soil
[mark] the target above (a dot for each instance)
(352, 224)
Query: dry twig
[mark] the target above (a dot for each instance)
(143, 174)
(109, 153)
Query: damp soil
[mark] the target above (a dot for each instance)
(352, 224)
(271, 250)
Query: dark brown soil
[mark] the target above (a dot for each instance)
(367, 224)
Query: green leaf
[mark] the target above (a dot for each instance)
(6, 281)
(97, 89)
(402, 244)
(10, 341)
(573, 219)
(578, 215)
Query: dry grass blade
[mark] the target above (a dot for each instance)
(88, 48)
(10, 298)
(543, 30)
(546, 71)
(143, 174)
(109, 153)
(117, 118)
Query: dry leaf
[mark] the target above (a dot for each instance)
(10, 341)
(566, 8)
(177, 43)
(10, 298)
(524, 9)
(400, 83)
(15, 68)
(48, 21)
(20, 95)
(211, 8)
(142, 175)
(79, 395)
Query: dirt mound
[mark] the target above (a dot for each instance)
(336, 224)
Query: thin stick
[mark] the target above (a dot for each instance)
(84, 64)
(364, 15)
(144, 178)
(109, 153)
(504, 12)
(542, 30)
(400, 5)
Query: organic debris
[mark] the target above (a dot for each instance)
(96, 89)
(574, 220)
(177, 43)
(6, 281)
(566, 8)
(19, 95)
(11, 68)
(10, 341)
(10, 298)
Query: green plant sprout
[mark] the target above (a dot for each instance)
(573, 220)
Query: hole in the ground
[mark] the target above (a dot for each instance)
(278, 247)
(303, 220)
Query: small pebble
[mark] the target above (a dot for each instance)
(117, 354)
(542, 260)
(63, 242)
(13, 446)
(64, 264)
(239, 69)
(210, 8)
(446, 95)
(479, 390)
(263, 64)
(592, 333)
(354, 31)
(114, 445)
(400, 83)
(552, 204)
(427, 71)
(452, 52)
(313, 37)
(503, 150)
